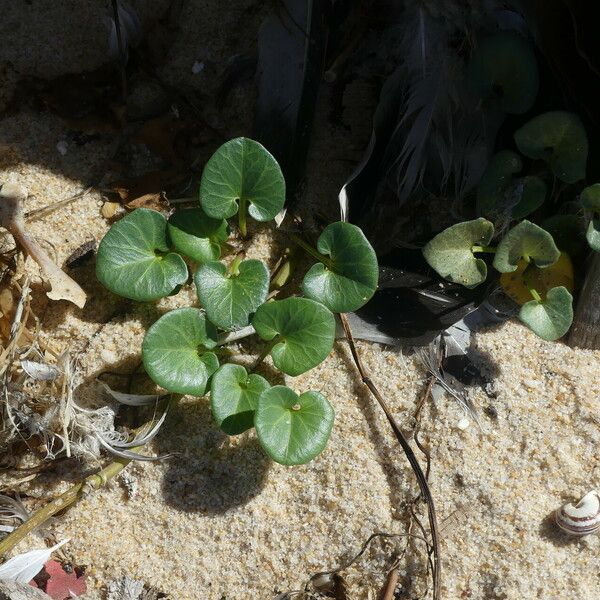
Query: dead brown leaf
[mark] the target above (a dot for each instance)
(148, 190)
(156, 201)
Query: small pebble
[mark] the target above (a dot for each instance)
(62, 147)
(197, 67)
(108, 356)
(463, 423)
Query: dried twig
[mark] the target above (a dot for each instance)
(410, 455)
(12, 218)
(38, 213)
(363, 549)
(387, 593)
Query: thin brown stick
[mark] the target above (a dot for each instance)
(363, 549)
(410, 455)
(387, 593)
(426, 394)
(38, 213)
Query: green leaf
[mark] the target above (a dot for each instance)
(529, 241)
(592, 235)
(230, 298)
(242, 170)
(450, 253)
(175, 351)
(197, 235)
(558, 138)
(348, 279)
(293, 429)
(234, 398)
(504, 66)
(302, 332)
(550, 318)
(134, 259)
(590, 199)
(498, 191)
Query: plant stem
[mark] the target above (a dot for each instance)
(234, 270)
(90, 483)
(233, 336)
(266, 351)
(534, 293)
(312, 251)
(489, 249)
(529, 284)
(412, 459)
(242, 217)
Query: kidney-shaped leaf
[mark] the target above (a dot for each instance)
(234, 397)
(551, 317)
(230, 298)
(348, 279)
(498, 192)
(529, 241)
(302, 332)
(450, 253)
(293, 429)
(518, 283)
(197, 235)
(504, 66)
(134, 260)
(176, 353)
(590, 199)
(559, 138)
(242, 171)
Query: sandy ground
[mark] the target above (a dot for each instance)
(221, 521)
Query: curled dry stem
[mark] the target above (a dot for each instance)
(12, 218)
(410, 455)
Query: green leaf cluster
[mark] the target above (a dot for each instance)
(454, 252)
(503, 71)
(142, 258)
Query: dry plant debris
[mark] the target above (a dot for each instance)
(62, 287)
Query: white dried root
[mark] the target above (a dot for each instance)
(62, 287)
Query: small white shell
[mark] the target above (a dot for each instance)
(582, 518)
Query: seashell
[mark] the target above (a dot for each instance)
(582, 518)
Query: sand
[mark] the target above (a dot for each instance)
(221, 521)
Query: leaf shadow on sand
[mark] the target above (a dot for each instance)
(211, 472)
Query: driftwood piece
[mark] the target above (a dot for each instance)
(585, 332)
(11, 590)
